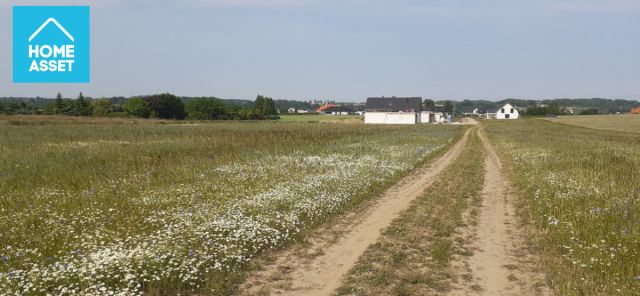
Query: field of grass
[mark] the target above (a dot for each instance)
(412, 256)
(114, 207)
(321, 118)
(580, 189)
(619, 122)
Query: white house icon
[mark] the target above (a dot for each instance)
(51, 20)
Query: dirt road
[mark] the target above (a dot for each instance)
(318, 268)
(501, 264)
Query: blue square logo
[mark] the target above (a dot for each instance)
(51, 44)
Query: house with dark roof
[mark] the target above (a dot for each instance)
(394, 104)
(393, 110)
(337, 110)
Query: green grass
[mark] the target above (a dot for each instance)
(321, 118)
(580, 190)
(100, 206)
(413, 255)
(619, 122)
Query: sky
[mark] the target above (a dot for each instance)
(347, 50)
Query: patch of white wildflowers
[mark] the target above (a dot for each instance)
(217, 223)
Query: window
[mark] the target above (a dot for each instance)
(511, 110)
(506, 116)
(502, 110)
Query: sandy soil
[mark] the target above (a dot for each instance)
(317, 268)
(501, 263)
(468, 121)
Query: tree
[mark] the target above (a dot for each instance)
(166, 106)
(205, 109)
(269, 107)
(265, 106)
(448, 107)
(429, 104)
(260, 104)
(554, 108)
(2, 109)
(82, 107)
(536, 111)
(102, 107)
(60, 106)
(137, 107)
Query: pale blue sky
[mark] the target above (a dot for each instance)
(350, 49)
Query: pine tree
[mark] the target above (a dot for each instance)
(59, 104)
(82, 106)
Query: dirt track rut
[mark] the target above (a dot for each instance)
(293, 274)
(501, 263)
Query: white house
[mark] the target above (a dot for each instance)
(431, 117)
(507, 112)
(393, 110)
(291, 110)
(390, 117)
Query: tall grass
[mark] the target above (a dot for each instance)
(115, 208)
(617, 122)
(581, 189)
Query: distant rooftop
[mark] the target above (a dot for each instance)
(394, 104)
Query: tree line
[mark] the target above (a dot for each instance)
(162, 106)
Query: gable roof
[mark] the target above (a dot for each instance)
(394, 104)
(326, 106)
(507, 105)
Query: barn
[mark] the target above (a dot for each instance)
(393, 110)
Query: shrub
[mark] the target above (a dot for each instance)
(138, 107)
(205, 109)
(102, 107)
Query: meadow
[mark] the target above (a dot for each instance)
(617, 122)
(130, 207)
(580, 191)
